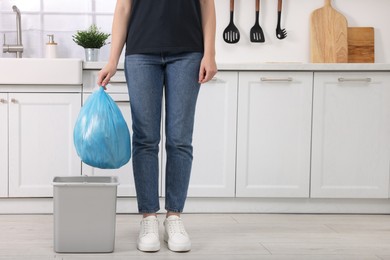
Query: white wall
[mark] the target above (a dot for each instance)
(64, 17)
(296, 20)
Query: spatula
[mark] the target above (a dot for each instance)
(231, 33)
(257, 34)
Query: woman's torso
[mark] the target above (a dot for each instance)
(164, 26)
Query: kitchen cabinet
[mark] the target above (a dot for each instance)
(274, 134)
(41, 141)
(4, 145)
(318, 133)
(40, 130)
(351, 135)
(280, 131)
(213, 172)
(214, 139)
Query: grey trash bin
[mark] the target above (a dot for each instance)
(84, 214)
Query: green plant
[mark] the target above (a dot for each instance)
(91, 38)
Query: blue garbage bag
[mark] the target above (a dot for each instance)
(101, 135)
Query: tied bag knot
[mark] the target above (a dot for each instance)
(101, 135)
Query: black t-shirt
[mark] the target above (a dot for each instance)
(164, 26)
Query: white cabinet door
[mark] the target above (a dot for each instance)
(3, 145)
(41, 141)
(214, 139)
(125, 173)
(274, 131)
(351, 135)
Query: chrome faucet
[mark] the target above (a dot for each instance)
(18, 47)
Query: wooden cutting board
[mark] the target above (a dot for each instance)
(361, 45)
(328, 35)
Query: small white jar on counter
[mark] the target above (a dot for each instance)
(51, 48)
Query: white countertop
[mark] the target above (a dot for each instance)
(279, 66)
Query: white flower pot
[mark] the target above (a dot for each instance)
(91, 54)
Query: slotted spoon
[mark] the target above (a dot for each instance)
(257, 34)
(231, 33)
(280, 33)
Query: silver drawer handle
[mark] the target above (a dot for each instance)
(289, 79)
(121, 101)
(214, 79)
(14, 100)
(3, 101)
(355, 80)
(116, 81)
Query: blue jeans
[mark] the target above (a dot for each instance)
(148, 76)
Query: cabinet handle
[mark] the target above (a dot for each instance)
(214, 79)
(117, 81)
(14, 100)
(355, 80)
(3, 101)
(289, 79)
(122, 101)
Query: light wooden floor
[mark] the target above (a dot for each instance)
(220, 236)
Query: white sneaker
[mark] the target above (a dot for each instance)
(148, 239)
(175, 234)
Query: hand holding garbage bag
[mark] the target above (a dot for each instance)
(101, 135)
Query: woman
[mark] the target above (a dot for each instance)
(170, 48)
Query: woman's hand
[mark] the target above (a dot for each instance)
(105, 74)
(208, 68)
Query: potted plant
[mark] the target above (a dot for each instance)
(92, 40)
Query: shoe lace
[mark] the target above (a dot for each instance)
(176, 226)
(149, 226)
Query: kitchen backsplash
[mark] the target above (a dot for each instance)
(64, 17)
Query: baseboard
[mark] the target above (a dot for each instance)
(222, 205)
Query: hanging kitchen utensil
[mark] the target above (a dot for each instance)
(231, 33)
(328, 35)
(280, 33)
(257, 34)
(361, 45)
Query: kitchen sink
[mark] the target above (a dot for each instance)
(35, 71)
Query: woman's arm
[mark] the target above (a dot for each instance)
(208, 67)
(118, 39)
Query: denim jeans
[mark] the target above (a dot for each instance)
(148, 77)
